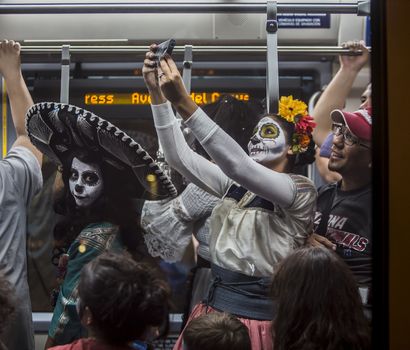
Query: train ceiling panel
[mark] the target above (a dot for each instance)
(192, 28)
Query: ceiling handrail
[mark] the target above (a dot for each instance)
(195, 7)
(325, 50)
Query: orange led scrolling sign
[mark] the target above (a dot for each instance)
(142, 98)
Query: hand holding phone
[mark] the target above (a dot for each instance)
(165, 47)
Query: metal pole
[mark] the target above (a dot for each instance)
(272, 65)
(187, 70)
(158, 7)
(65, 74)
(297, 50)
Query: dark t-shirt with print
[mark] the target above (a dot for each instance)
(349, 227)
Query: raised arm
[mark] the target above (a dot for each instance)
(19, 96)
(335, 94)
(230, 157)
(178, 154)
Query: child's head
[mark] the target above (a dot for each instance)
(121, 300)
(216, 331)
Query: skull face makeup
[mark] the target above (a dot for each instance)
(86, 183)
(268, 141)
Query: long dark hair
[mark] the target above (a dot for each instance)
(116, 204)
(237, 118)
(125, 298)
(318, 304)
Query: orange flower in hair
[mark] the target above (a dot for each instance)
(304, 140)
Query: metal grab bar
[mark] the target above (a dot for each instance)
(65, 74)
(204, 7)
(299, 50)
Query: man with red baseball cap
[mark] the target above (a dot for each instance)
(351, 130)
(359, 122)
(343, 214)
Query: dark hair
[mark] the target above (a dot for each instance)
(116, 204)
(124, 297)
(297, 161)
(216, 331)
(236, 118)
(318, 304)
(7, 302)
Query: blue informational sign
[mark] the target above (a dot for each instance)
(304, 20)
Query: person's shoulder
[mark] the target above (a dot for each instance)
(327, 188)
(302, 183)
(305, 193)
(22, 153)
(22, 159)
(79, 344)
(20, 164)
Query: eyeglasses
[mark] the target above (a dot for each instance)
(348, 138)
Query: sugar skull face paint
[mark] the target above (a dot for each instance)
(267, 142)
(86, 183)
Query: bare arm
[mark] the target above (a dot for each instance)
(336, 92)
(19, 96)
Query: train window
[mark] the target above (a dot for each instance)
(110, 84)
(124, 101)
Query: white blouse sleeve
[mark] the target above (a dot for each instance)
(236, 164)
(169, 224)
(181, 157)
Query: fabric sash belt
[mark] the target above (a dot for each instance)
(241, 295)
(203, 263)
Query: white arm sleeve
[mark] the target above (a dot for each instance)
(236, 164)
(181, 157)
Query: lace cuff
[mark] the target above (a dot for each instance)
(168, 228)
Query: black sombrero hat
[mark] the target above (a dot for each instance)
(57, 128)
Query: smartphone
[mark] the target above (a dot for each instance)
(165, 47)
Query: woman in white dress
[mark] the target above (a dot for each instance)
(266, 211)
(169, 224)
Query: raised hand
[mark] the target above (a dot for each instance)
(10, 60)
(171, 82)
(150, 73)
(172, 86)
(19, 96)
(150, 69)
(354, 63)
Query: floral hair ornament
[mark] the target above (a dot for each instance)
(295, 112)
